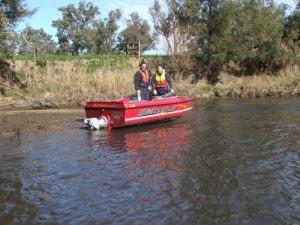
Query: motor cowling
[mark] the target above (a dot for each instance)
(97, 123)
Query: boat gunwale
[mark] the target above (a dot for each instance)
(137, 104)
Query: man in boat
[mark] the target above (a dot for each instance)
(142, 81)
(161, 82)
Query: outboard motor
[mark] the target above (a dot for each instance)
(96, 123)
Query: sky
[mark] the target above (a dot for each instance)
(47, 11)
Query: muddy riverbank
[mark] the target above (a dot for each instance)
(18, 122)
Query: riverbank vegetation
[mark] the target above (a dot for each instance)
(72, 83)
(214, 48)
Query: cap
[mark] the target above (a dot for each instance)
(162, 65)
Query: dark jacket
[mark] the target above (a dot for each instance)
(139, 84)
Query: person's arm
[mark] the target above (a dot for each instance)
(150, 78)
(136, 85)
(136, 81)
(153, 84)
(170, 82)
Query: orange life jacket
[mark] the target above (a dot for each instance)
(145, 76)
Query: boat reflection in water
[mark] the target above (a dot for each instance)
(151, 147)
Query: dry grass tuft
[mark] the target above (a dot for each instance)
(286, 82)
(66, 83)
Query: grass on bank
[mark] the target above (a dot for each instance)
(75, 82)
(71, 83)
(94, 62)
(51, 58)
(285, 83)
(91, 62)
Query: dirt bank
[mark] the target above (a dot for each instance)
(17, 123)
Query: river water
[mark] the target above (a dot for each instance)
(226, 162)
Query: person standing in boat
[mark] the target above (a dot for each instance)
(142, 81)
(161, 82)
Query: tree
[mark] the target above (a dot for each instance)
(208, 25)
(292, 31)
(246, 32)
(11, 12)
(4, 34)
(168, 25)
(75, 28)
(257, 33)
(105, 32)
(36, 41)
(137, 30)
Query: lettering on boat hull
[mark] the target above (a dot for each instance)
(147, 112)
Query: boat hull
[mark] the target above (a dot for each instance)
(126, 112)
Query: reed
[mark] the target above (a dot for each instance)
(70, 83)
(286, 82)
(67, 83)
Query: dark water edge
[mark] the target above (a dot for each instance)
(227, 162)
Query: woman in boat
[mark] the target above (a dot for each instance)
(161, 82)
(142, 81)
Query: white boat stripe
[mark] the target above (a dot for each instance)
(142, 117)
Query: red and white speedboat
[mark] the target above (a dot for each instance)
(126, 112)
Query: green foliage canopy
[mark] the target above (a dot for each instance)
(137, 30)
(104, 36)
(292, 31)
(36, 41)
(246, 32)
(75, 28)
(11, 12)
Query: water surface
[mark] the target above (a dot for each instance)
(227, 162)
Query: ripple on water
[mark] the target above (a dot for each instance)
(232, 162)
